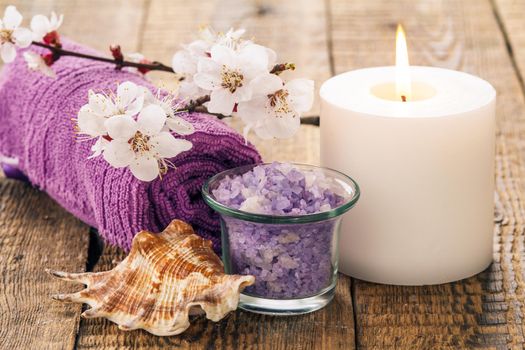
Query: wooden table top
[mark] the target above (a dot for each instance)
(483, 37)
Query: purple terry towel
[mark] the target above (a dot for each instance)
(36, 131)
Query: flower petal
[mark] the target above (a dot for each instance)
(272, 58)
(301, 94)
(168, 146)
(180, 126)
(118, 153)
(209, 66)
(245, 132)
(8, 52)
(145, 168)
(221, 101)
(253, 110)
(208, 76)
(135, 57)
(32, 59)
(235, 34)
(121, 127)
(253, 59)
(98, 147)
(40, 26)
(207, 82)
(22, 37)
(56, 22)
(266, 84)
(90, 123)
(190, 90)
(198, 48)
(223, 55)
(12, 18)
(151, 120)
(262, 132)
(278, 127)
(134, 107)
(243, 93)
(126, 93)
(184, 63)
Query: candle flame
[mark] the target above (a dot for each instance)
(403, 81)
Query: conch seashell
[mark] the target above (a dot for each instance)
(164, 277)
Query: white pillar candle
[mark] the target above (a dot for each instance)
(425, 168)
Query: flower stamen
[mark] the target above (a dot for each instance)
(140, 143)
(231, 79)
(279, 103)
(6, 36)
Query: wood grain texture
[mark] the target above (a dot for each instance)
(96, 23)
(168, 24)
(510, 14)
(485, 311)
(36, 233)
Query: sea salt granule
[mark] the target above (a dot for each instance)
(287, 260)
(280, 189)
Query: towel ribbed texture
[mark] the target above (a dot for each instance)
(36, 128)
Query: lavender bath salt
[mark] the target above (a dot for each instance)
(288, 260)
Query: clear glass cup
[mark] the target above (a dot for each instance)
(293, 258)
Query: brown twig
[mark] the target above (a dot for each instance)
(314, 120)
(58, 51)
(196, 105)
(281, 67)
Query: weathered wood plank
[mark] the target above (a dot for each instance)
(485, 311)
(302, 38)
(510, 14)
(96, 23)
(36, 233)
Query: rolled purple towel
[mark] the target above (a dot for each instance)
(37, 134)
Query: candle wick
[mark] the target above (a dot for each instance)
(403, 98)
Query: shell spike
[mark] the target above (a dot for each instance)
(67, 276)
(78, 297)
(93, 312)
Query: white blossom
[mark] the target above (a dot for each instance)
(127, 102)
(185, 61)
(132, 128)
(275, 109)
(36, 62)
(185, 64)
(41, 25)
(169, 104)
(12, 35)
(227, 74)
(235, 73)
(208, 37)
(141, 144)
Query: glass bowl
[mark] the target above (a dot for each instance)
(293, 258)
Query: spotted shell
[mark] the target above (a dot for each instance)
(164, 278)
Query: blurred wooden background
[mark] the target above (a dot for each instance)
(483, 37)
